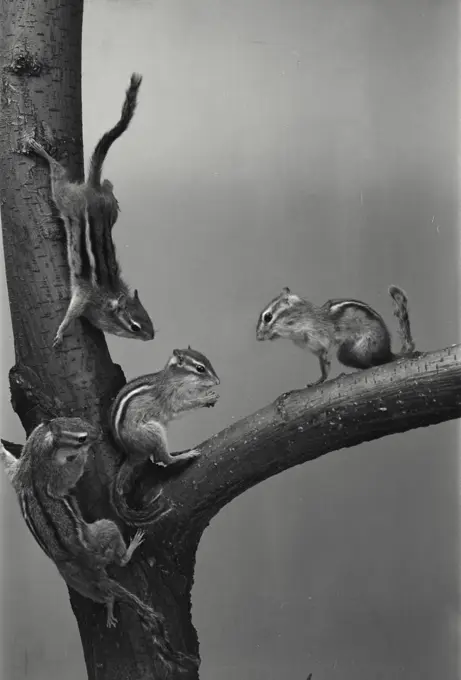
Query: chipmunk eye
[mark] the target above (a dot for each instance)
(199, 368)
(135, 327)
(71, 458)
(82, 438)
(267, 317)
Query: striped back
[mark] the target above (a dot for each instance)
(101, 217)
(133, 389)
(55, 523)
(340, 305)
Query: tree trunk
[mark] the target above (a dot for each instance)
(41, 94)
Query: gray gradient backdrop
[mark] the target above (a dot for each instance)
(309, 143)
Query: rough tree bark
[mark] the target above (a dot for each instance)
(40, 91)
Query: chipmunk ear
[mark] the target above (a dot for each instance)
(118, 303)
(107, 185)
(135, 294)
(49, 437)
(176, 359)
(189, 347)
(286, 290)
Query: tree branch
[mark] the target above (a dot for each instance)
(305, 424)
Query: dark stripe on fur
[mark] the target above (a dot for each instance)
(31, 526)
(85, 265)
(113, 271)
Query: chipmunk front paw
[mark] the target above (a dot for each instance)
(211, 399)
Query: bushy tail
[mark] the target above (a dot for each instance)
(10, 463)
(154, 623)
(153, 511)
(106, 141)
(401, 312)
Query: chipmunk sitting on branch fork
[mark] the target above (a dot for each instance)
(140, 416)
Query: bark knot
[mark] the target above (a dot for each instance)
(24, 62)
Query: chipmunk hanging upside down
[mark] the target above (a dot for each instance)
(89, 211)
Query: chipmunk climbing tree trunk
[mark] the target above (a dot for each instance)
(41, 92)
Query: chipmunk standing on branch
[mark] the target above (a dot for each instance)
(51, 463)
(89, 211)
(140, 416)
(358, 333)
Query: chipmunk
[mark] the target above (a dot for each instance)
(140, 416)
(89, 211)
(51, 463)
(358, 333)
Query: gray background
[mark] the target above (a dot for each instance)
(308, 143)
